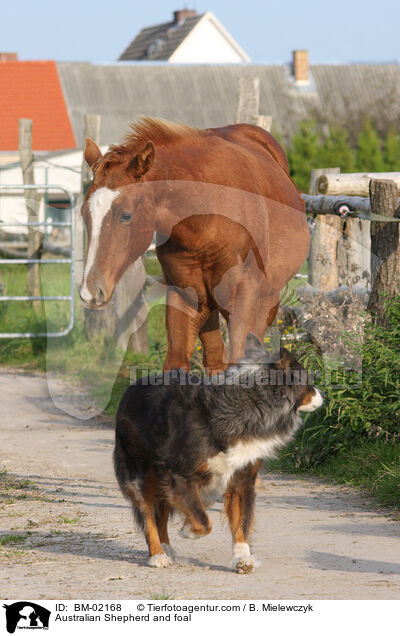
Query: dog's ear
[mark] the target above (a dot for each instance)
(254, 349)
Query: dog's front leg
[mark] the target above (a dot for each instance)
(157, 556)
(239, 507)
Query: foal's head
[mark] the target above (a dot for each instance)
(118, 212)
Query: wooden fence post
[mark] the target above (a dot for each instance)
(264, 121)
(385, 247)
(355, 253)
(249, 104)
(322, 257)
(125, 316)
(91, 130)
(354, 250)
(249, 100)
(32, 200)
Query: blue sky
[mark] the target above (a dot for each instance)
(98, 31)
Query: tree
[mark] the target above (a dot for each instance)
(336, 151)
(391, 151)
(369, 154)
(304, 154)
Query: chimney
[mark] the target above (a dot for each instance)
(301, 67)
(179, 16)
(8, 57)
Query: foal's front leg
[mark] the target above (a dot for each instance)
(239, 506)
(183, 323)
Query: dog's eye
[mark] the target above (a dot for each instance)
(125, 217)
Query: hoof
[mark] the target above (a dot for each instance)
(160, 561)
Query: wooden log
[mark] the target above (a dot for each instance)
(322, 257)
(32, 201)
(352, 184)
(327, 204)
(125, 316)
(249, 100)
(355, 259)
(385, 247)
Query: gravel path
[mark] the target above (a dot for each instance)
(75, 537)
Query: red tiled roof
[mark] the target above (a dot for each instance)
(33, 90)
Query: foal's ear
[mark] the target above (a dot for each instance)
(143, 161)
(92, 152)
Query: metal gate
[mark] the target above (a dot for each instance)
(26, 261)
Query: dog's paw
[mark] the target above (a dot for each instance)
(160, 561)
(186, 533)
(244, 565)
(243, 562)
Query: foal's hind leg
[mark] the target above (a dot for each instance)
(239, 506)
(185, 497)
(143, 500)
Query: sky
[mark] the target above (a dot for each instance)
(98, 30)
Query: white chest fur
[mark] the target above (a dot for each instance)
(225, 464)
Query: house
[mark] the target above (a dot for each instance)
(202, 95)
(32, 89)
(190, 38)
(206, 95)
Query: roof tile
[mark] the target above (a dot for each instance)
(32, 89)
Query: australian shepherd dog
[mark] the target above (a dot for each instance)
(182, 442)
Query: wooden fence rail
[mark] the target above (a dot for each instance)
(380, 215)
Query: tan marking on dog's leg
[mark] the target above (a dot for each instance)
(157, 556)
(239, 507)
(162, 525)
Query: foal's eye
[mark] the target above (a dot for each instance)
(125, 217)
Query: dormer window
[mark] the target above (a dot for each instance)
(155, 48)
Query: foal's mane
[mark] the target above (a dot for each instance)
(160, 132)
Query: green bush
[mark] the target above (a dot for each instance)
(304, 154)
(369, 153)
(354, 413)
(391, 151)
(311, 148)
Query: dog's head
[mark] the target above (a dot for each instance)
(283, 371)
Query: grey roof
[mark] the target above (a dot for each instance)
(160, 41)
(207, 95)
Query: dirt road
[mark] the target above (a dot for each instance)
(67, 532)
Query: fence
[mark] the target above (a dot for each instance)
(31, 261)
(381, 210)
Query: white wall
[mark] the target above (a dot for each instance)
(206, 44)
(12, 208)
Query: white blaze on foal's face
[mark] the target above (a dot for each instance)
(99, 205)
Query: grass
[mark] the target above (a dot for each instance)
(69, 520)
(164, 596)
(10, 483)
(94, 363)
(372, 467)
(7, 539)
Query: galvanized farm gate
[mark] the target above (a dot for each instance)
(26, 261)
